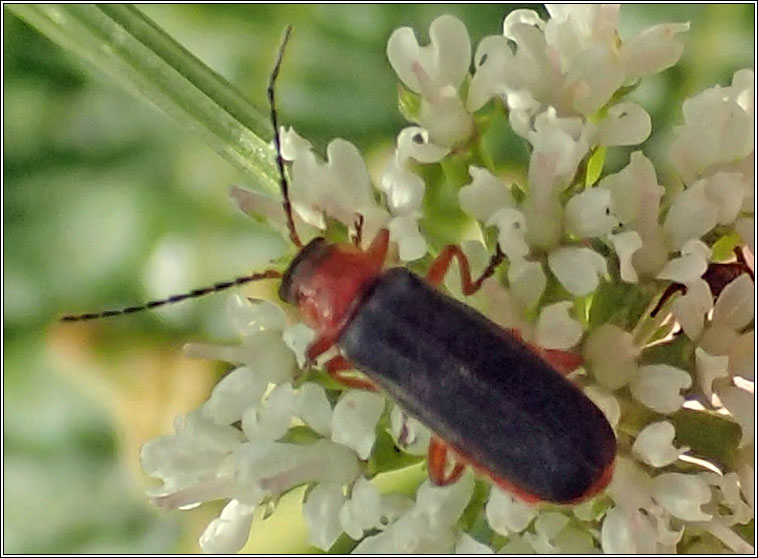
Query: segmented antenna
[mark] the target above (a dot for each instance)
(223, 285)
(278, 144)
(216, 287)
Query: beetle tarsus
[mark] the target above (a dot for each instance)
(437, 457)
(339, 364)
(442, 262)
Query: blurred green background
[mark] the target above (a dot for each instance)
(107, 202)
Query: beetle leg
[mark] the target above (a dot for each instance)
(318, 347)
(442, 262)
(437, 457)
(379, 246)
(564, 362)
(338, 364)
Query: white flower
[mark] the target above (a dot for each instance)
(469, 545)
(577, 268)
(321, 512)
(354, 420)
(484, 195)
(654, 444)
(741, 405)
(690, 266)
(408, 433)
(405, 232)
(588, 214)
(658, 385)
(627, 531)
(682, 495)
(405, 190)
(635, 201)
(709, 368)
(506, 514)
(528, 281)
(573, 62)
(436, 71)
(363, 511)
(228, 533)
(556, 329)
(718, 129)
(626, 245)
(427, 527)
(691, 308)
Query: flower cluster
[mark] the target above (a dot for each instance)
(587, 256)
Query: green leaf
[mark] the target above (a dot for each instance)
(595, 165)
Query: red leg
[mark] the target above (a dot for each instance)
(564, 362)
(335, 366)
(442, 262)
(437, 457)
(319, 346)
(379, 246)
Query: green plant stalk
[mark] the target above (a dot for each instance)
(131, 49)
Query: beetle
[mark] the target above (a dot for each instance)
(492, 401)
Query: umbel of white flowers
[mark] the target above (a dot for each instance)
(561, 81)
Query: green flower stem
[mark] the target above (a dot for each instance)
(130, 48)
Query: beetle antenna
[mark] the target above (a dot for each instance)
(216, 287)
(495, 260)
(278, 143)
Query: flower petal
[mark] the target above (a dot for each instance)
(653, 50)
(654, 444)
(491, 59)
(626, 244)
(690, 216)
(273, 419)
(626, 124)
(611, 356)
(321, 513)
(691, 308)
(506, 514)
(443, 505)
(445, 61)
(725, 191)
(469, 545)
(229, 532)
(588, 214)
(362, 511)
(658, 385)
(577, 268)
(528, 281)
(410, 242)
(409, 434)
(627, 531)
(484, 195)
(354, 420)
(238, 390)
(684, 269)
(556, 329)
(512, 232)
(709, 368)
(413, 142)
(734, 307)
(404, 189)
(741, 405)
(314, 408)
(682, 495)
